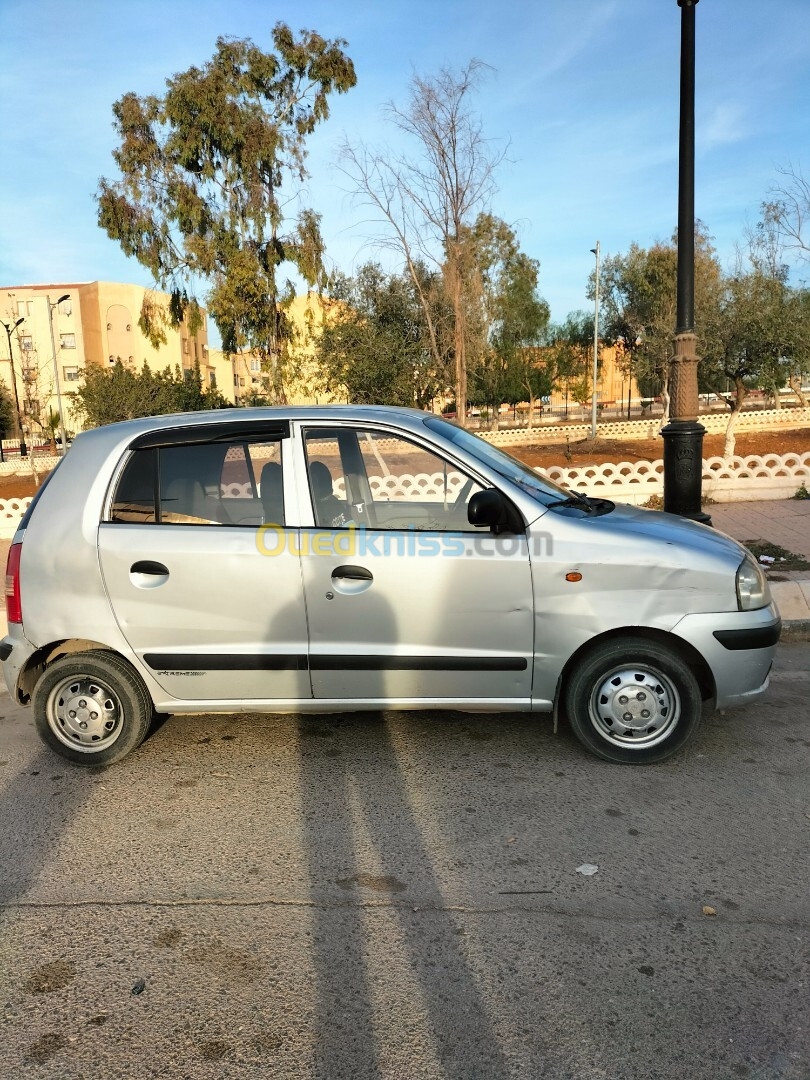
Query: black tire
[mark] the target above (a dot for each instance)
(633, 701)
(92, 708)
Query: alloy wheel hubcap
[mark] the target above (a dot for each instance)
(84, 714)
(635, 707)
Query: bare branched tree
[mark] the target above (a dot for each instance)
(428, 200)
(789, 211)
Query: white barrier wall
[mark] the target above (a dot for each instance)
(714, 423)
(737, 479)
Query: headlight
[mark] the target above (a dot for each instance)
(753, 590)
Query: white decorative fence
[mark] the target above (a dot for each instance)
(11, 512)
(737, 479)
(16, 466)
(714, 423)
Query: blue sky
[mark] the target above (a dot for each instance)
(585, 91)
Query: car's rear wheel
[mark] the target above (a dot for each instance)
(91, 708)
(633, 701)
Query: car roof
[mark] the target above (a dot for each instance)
(125, 430)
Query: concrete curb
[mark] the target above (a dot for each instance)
(793, 600)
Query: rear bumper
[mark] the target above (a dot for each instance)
(15, 651)
(738, 646)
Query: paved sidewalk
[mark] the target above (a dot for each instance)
(785, 522)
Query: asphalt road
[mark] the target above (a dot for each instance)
(396, 896)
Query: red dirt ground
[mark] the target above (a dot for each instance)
(589, 453)
(796, 441)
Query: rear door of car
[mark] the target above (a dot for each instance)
(182, 552)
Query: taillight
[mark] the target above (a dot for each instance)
(13, 602)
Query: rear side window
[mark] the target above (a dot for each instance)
(220, 483)
(135, 496)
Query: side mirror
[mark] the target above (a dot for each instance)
(490, 509)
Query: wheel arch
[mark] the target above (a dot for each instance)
(687, 652)
(38, 661)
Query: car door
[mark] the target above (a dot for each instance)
(212, 611)
(405, 600)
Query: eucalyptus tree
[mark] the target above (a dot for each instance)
(506, 318)
(209, 172)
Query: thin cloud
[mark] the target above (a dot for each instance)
(724, 124)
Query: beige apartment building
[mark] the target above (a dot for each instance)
(614, 386)
(303, 385)
(93, 322)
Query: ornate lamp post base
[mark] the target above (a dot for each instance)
(683, 469)
(683, 435)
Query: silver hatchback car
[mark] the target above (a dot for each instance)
(325, 559)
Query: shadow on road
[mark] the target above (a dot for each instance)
(37, 804)
(364, 837)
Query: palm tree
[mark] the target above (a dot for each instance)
(51, 426)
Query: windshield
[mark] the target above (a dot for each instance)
(504, 464)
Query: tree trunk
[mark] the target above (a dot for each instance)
(665, 401)
(32, 463)
(730, 440)
(460, 347)
(531, 411)
(776, 397)
(795, 384)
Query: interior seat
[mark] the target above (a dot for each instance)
(329, 510)
(271, 492)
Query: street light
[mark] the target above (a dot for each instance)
(23, 447)
(595, 251)
(51, 309)
(630, 373)
(683, 435)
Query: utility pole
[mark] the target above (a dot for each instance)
(683, 435)
(51, 308)
(23, 447)
(595, 342)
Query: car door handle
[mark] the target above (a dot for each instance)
(351, 580)
(352, 573)
(146, 566)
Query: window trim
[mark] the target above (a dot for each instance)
(235, 431)
(244, 438)
(357, 426)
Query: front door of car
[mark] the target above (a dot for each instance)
(405, 600)
(199, 601)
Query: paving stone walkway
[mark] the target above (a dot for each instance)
(785, 522)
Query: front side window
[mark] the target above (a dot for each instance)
(523, 476)
(68, 341)
(383, 481)
(237, 484)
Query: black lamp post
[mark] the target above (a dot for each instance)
(23, 447)
(51, 309)
(683, 435)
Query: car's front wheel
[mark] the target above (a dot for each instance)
(91, 708)
(633, 701)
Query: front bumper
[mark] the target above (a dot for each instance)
(738, 646)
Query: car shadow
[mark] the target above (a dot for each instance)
(377, 900)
